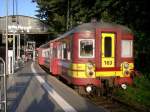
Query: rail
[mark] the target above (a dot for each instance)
(3, 88)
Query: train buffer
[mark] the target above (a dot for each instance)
(31, 89)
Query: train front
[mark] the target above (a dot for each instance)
(114, 55)
(102, 56)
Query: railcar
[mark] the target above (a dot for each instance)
(92, 55)
(43, 55)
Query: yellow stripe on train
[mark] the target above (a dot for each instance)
(121, 73)
(109, 74)
(81, 71)
(78, 66)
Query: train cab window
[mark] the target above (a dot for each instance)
(86, 48)
(108, 46)
(126, 48)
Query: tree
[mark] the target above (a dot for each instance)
(134, 14)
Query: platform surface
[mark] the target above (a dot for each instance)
(31, 89)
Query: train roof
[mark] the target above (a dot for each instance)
(93, 26)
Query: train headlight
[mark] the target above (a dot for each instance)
(124, 86)
(88, 89)
(90, 66)
(90, 69)
(126, 65)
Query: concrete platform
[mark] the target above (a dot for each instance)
(31, 89)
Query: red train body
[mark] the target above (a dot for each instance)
(42, 55)
(91, 54)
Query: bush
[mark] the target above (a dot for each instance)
(138, 94)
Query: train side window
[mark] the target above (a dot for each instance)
(86, 48)
(51, 51)
(58, 52)
(54, 52)
(69, 55)
(64, 51)
(69, 50)
(108, 46)
(43, 53)
(126, 48)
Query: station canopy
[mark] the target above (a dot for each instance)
(23, 25)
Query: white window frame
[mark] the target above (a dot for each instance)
(79, 55)
(123, 55)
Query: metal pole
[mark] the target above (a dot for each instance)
(17, 11)
(6, 58)
(5, 90)
(24, 43)
(13, 7)
(33, 51)
(14, 60)
(19, 46)
(6, 38)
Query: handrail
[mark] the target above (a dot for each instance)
(5, 88)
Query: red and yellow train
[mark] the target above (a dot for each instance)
(90, 55)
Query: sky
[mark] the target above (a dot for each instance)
(25, 7)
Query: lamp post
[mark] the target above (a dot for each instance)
(6, 58)
(6, 37)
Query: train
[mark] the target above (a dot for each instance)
(91, 56)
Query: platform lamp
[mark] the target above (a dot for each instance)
(6, 58)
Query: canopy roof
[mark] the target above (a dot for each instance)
(23, 24)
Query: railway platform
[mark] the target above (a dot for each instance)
(31, 89)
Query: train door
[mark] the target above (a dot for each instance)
(108, 50)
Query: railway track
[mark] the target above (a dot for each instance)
(113, 104)
(109, 102)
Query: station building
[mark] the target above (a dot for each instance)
(25, 34)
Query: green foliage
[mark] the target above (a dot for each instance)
(60, 13)
(142, 83)
(134, 14)
(138, 94)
